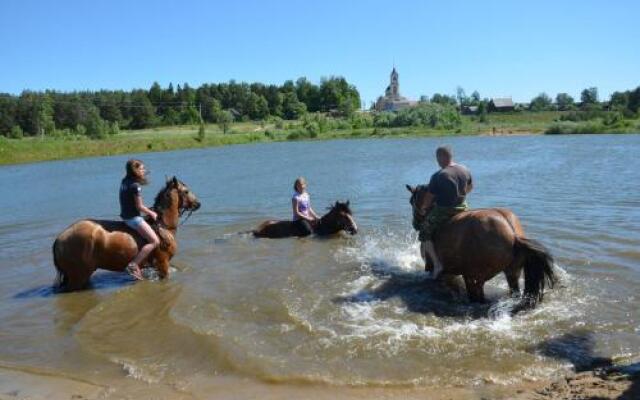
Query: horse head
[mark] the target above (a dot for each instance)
(339, 218)
(176, 196)
(418, 195)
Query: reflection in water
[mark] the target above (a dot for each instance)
(72, 307)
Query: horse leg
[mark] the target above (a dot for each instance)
(475, 289)
(453, 282)
(428, 264)
(512, 273)
(77, 276)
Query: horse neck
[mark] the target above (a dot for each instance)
(169, 213)
(327, 224)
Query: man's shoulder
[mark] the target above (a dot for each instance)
(458, 168)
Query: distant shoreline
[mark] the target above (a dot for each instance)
(37, 149)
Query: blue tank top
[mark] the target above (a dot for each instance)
(129, 189)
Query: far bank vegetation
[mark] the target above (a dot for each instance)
(35, 125)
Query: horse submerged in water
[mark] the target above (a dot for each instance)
(91, 244)
(339, 218)
(479, 244)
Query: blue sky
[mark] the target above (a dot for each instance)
(500, 48)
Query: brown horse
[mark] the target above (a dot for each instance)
(339, 218)
(90, 244)
(478, 244)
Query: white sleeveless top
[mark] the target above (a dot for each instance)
(303, 204)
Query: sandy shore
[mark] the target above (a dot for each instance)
(611, 383)
(601, 384)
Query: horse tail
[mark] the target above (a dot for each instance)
(61, 278)
(538, 271)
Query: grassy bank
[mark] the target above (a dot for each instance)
(14, 151)
(33, 149)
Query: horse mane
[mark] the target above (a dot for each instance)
(340, 207)
(161, 198)
(422, 188)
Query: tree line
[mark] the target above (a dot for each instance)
(104, 112)
(626, 102)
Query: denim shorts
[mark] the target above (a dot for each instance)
(134, 222)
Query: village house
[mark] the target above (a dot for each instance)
(501, 104)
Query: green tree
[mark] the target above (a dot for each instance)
(443, 99)
(257, 107)
(541, 102)
(225, 118)
(275, 100)
(619, 100)
(483, 109)
(201, 132)
(96, 127)
(475, 98)
(210, 109)
(564, 102)
(309, 94)
(171, 117)
(634, 100)
(292, 108)
(16, 132)
(8, 106)
(143, 113)
(35, 113)
(189, 115)
(589, 95)
(463, 100)
(108, 106)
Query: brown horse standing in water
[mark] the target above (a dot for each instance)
(339, 218)
(478, 244)
(91, 244)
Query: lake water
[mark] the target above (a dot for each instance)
(327, 314)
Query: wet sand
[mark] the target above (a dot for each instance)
(612, 383)
(601, 384)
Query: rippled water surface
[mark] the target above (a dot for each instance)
(345, 310)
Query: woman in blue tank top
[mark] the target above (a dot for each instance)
(303, 215)
(131, 207)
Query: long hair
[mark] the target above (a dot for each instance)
(300, 181)
(133, 171)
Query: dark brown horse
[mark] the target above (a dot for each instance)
(339, 218)
(91, 244)
(478, 244)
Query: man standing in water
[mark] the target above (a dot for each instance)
(446, 197)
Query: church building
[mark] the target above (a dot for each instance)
(392, 101)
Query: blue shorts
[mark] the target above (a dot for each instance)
(134, 222)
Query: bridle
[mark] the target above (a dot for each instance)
(181, 209)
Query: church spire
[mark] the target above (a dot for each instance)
(394, 85)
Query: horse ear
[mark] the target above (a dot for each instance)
(410, 189)
(347, 203)
(174, 181)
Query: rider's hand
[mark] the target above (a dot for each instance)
(153, 215)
